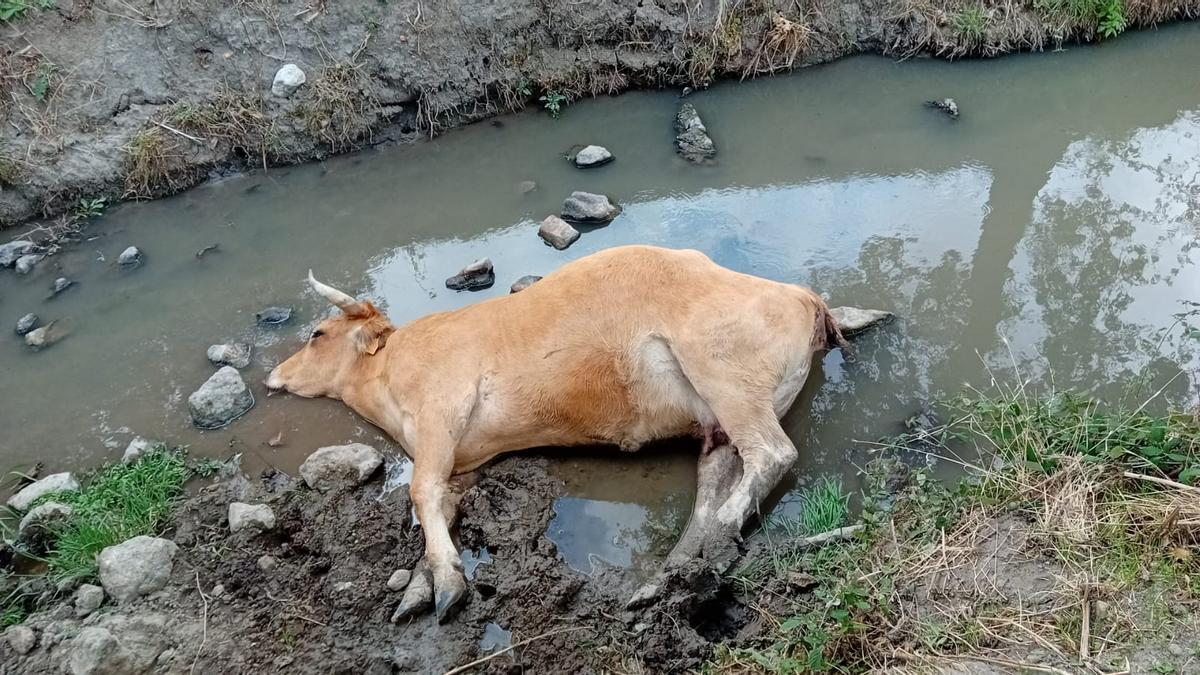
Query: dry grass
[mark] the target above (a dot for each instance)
(782, 43)
(340, 105)
(235, 119)
(1070, 536)
(152, 160)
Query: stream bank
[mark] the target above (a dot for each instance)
(110, 100)
(1054, 555)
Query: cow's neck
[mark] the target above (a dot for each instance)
(370, 394)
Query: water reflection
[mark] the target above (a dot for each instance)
(1132, 206)
(1070, 233)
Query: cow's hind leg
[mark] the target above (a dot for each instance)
(767, 453)
(718, 469)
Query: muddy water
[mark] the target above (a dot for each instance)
(1051, 230)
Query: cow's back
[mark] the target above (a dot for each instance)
(585, 355)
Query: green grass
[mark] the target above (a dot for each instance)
(11, 10)
(1041, 431)
(119, 501)
(1107, 17)
(847, 606)
(971, 23)
(825, 506)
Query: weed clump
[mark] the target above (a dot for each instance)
(149, 158)
(1076, 521)
(341, 105)
(119, 502)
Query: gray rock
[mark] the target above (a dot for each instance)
(526, 186)
(557, 233)
(287, 80)
(96, 651)
(523, 283)
(88, 599)
(478, 275)
(692, 141)
(136, 567)
(136, 448)
(586, 207)
(853, 320)
(273, 316)
(417, 597)
(219, 401)
(60, 284)
(26, 263)
(43, 336)
(399, 580)
(340, 464)
(10, 252)
(27, 323)
(217, 591)
(593, 156)
(267, 563)
(254, 516)
(130, 256)
(58, 482)
(20, 638)
(46, 515)
(946, 105)
(234, 355)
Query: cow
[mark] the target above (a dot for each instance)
(619, 348)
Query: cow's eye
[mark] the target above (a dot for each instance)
(316, 334)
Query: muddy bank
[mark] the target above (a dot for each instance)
(136, 100)
(935, 578)
(311, 594)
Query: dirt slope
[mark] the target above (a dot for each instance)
(83, 82)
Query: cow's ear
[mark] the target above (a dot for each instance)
(372, 335)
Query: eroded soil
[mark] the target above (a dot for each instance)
(141, 98)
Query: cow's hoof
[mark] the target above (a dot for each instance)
(450, 597)
(417, 597)
(647, 594)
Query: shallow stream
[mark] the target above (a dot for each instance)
(1049, 233)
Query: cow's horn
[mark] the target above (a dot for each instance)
(339, 299)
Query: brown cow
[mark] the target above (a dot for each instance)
(621, 347)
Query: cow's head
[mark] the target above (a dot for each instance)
(326, 363)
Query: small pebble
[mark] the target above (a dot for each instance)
(273, 316)
(267, 563)
(60, 284)
(523, 283)
(20, 638)
(399, 580)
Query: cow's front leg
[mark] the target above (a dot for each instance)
(434, 505)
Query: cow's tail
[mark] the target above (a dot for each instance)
(827, 334)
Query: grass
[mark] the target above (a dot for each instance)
(1039, 432)
(971, 24)
(149, 157)
(118, 502)
(11, 10)
(339, 105)
(1106, 17)
(1056, 480)
(825, 507)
